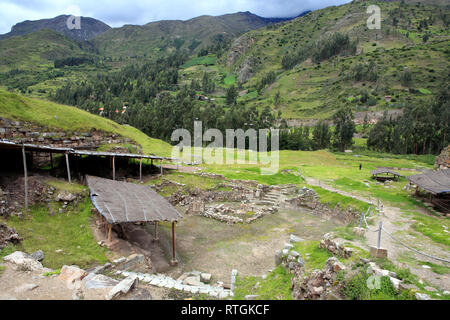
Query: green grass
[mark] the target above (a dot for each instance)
(439, 269)
(205, 60)
(332, 199)
(229, 80)
(67, 231)
(66, 186)
(276, 286)
(71, 119)
(2, 268)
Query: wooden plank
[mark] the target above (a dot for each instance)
(174, 250)
(140, 170)
(114, 167)
(68, 168)
(25, 173)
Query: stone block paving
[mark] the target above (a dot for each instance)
(163, 281)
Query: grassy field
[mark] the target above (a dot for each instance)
(69, 232)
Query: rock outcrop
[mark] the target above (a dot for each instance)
(443, 160)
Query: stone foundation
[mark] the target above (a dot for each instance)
(25, 132)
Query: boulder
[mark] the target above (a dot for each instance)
(134, 261)
(193, 281)
(38, 255)
(98, 281)
(123, 287)
(66, 197)
(71, 274)
(23, 261)
(422, 296)
(205, 277)
(278, 257)
(294, 239)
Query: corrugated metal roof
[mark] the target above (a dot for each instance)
(384, 170)
(436, 182)
(121, 202)
(6, 144)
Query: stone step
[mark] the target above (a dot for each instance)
(162, 281)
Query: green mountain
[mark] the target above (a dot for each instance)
(89, 28)
(303, 70)
(165, 36)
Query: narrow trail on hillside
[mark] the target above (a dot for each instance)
(401, 228)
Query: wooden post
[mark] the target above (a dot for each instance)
(25, 173)
(155, 236)
(140, 170)
(68, 168)
(162, 172)
(51, 159)
(109, 233)
(114, 167)
(174, 261)
(379, 234)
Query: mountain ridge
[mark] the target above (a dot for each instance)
(90, 27)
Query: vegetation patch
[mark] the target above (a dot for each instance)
(276, 286)
(65, 238)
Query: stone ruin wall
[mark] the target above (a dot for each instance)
(443, 160)
(25, 132)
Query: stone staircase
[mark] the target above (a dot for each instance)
(272, 199)
(163, 281)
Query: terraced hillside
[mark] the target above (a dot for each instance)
(404, 62)
(165, 36)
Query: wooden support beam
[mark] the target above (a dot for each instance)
(140, 169)
(161, 166)
(51, 159)
(155, 236)
(114, 167)
(109, 232)
(174, 261)
(68, 168)
(25, 173)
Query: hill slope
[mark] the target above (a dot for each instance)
(404, 62)
(56, 116)
(168, 35)
(90, 28)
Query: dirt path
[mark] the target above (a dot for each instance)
(398, 226)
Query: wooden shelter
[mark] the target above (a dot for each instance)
(123, 202)
(437, 184)
(10, 145)
(384, 174)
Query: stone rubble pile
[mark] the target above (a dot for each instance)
(319, 284)
(310, 199)
(334, 247)
(230, 215)
(8, 236)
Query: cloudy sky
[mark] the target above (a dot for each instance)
(119, 12)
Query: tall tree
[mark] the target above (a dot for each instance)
(344, 129)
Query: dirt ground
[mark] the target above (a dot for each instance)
(211, 246)
(52, 288)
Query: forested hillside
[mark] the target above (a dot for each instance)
(327, 65)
